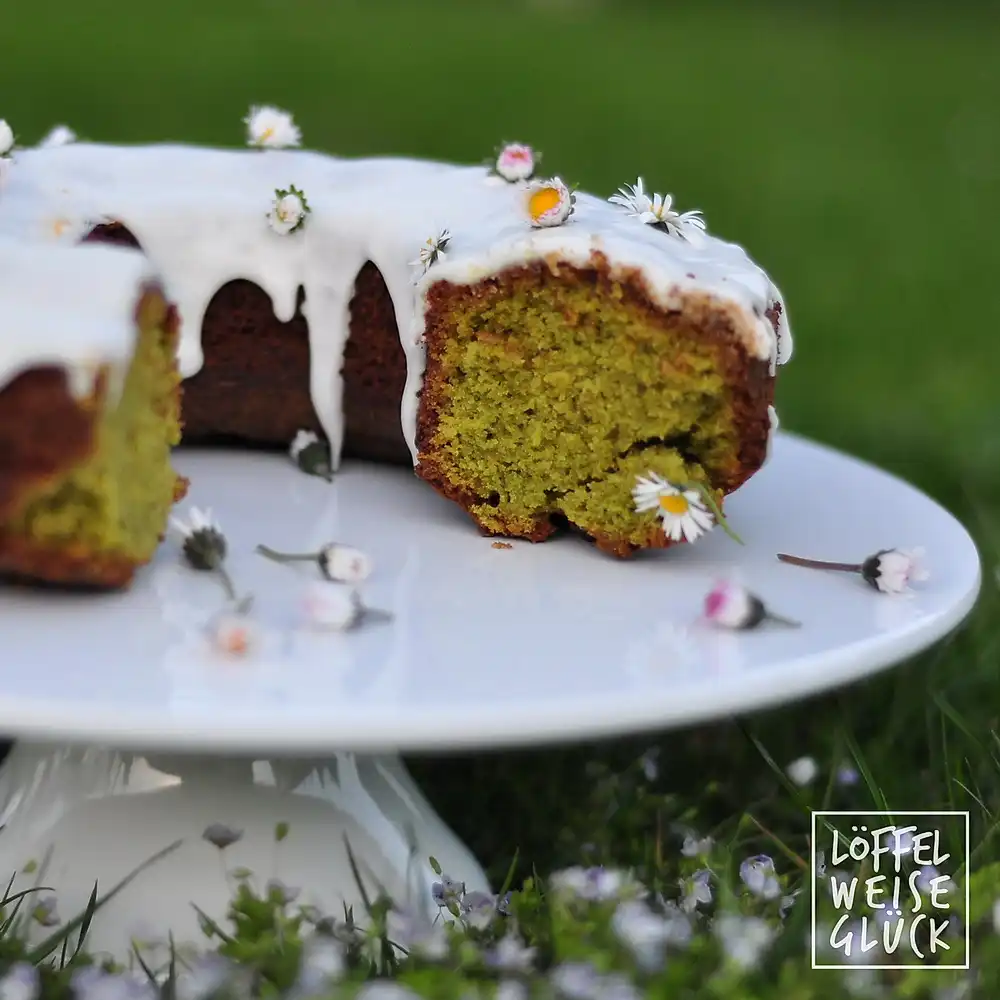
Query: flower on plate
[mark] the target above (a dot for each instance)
(656, 210)
(288, 211)
(802, 771)
(433, 250)
(61, 135)
(731, 606)
(234, 634)
(332, 606)
(271, 128)
(6, 138)
(682, 510)
(204, 548)
(516, 162)
(311, 454)
(549, 203)
(757, 874)
(889, 571)
(337, 563)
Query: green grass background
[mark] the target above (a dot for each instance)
(854, 148)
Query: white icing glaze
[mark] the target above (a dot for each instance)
(772, 417)
(201, 217)
(69, 306)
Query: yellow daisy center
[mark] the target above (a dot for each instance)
(675, 503)
(268, 133)
(542, 201)
(59, 227)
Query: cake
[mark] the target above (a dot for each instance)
(89, 413)
(548, 360)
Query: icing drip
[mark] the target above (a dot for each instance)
(69, 306)
(200, 215)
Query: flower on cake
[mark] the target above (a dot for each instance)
(6, 138)
(729, 605)
(432, 251)
(657, 210)
(61, 135)
(549, 203)
(311, 454)
(516, 162)
(889, 571)
(271, 128)
(288, 210)
(682, 510)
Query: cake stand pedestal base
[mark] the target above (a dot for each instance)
(94, 814)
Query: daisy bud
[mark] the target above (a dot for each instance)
(515, 162)
(311, 454)
(731, 606)
(338, 563)
(889, 571)
(269, 127)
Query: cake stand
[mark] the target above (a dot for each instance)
(133, 733)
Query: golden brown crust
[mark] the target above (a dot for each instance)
(749, 381)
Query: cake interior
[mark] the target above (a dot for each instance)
(536, 379)
(108, 511)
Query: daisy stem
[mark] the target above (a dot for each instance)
(781, 620)
(716, 511)
(227, 582)
(820, 564)
(286, 557)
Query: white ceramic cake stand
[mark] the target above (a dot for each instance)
(133, 734)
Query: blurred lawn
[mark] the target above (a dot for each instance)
(854, 151)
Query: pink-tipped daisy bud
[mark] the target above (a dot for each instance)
(342, 564)
(330, 606)
(891, 570)
(731, 606)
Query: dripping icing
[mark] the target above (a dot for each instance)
(211, 228)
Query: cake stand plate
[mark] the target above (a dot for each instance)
(135, 733)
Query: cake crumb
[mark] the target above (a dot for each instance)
(502, 545)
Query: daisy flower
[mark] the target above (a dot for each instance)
(6, 138)
(61, 135)
(657, 210)
(889, 571)
(336, 607)
(729, 605)
(337, 563)
(549, 203)
(234, 635)
(288, 211)
(682, 511)
(271, 128)
(311, 454)
(515, 162)
(432, 251)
